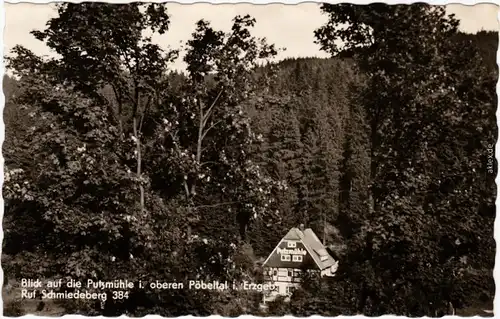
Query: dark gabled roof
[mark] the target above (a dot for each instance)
(294, 234)
(318, 250)
(313, 245)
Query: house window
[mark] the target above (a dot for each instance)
(285, 257)
(275, 273)
(292, 244)
(297, 258)
(290, 273)
(290, 289)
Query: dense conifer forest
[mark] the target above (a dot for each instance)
(118, 167)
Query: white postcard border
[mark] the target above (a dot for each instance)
(496, 271)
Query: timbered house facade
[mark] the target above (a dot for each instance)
(298, 251)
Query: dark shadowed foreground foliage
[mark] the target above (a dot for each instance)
(119, 168)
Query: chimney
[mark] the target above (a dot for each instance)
(301, 227)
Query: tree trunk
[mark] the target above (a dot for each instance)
(451, 309)
(201, 127)
(371, 202)
(119, 100)
(139, 162)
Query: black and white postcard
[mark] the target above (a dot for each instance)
(240, 159)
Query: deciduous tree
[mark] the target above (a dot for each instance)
(416, 103)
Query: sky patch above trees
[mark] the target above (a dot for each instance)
(289, 26)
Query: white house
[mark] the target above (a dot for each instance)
(298, 251)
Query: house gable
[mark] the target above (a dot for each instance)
(299, 249)
(290, 254)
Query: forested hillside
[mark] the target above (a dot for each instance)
(122, 170)
(304, 132)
